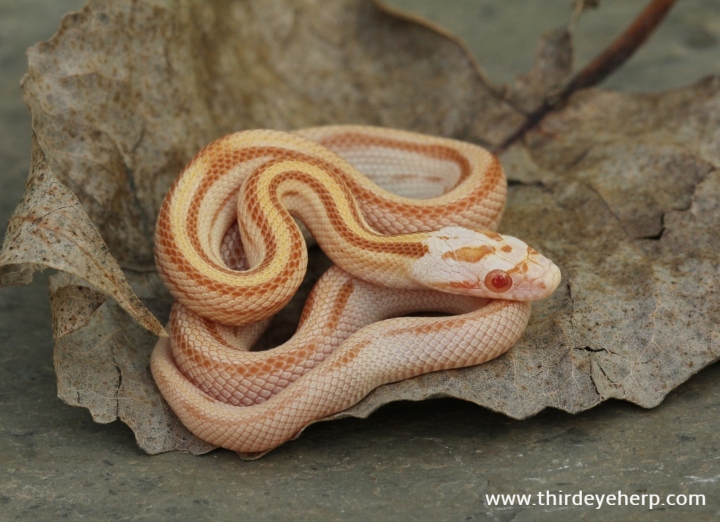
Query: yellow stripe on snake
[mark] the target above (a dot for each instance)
(426, 244)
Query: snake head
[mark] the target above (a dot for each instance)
(485, 264)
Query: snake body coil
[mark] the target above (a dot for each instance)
(398, 254)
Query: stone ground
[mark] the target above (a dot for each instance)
(430, 461)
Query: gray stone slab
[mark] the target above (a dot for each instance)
(435, 460)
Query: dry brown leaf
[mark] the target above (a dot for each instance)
(101, 359)
(553, 66)
(621, 190)
(50, 229)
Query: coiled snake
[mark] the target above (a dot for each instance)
(432, 247)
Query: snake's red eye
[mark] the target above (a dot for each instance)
(498, 281)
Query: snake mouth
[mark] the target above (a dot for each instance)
(547, 278)
(556, 278)
(534, 288)
(544, 287)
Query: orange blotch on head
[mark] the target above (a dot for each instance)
(463, 284)
(506, 248)
(469, 254)
(456, 285)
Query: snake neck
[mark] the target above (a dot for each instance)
(320, 198)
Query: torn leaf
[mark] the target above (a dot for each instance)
(620, 190)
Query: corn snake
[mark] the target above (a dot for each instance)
(398, 254)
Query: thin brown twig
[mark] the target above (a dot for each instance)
(601, 67)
